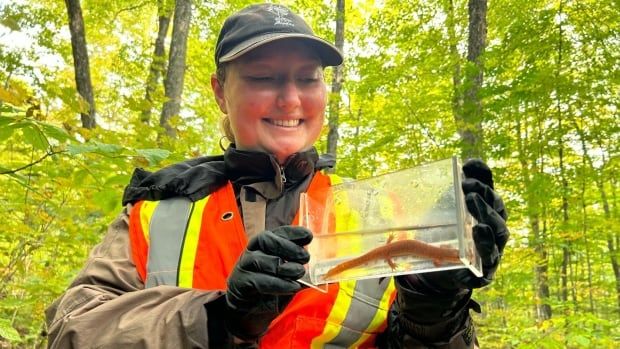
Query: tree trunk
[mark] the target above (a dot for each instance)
(80, 62)
(470, 127)
(612, 245)
(612, 232)
(564, 183)
(159, 59)
(173, 84)
(567, 244)
(457, 89)
(356, 135)
(334, 100)
(543, 309)
(537, 238)
(584, 227)
(613, 237)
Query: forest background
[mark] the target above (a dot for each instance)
(531, 86)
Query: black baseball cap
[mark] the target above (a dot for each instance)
(259, 24)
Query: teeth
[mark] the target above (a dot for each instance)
(285, 123)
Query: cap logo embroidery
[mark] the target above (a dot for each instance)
(281, 15)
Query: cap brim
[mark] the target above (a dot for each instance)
(328, 53)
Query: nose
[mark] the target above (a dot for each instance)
(289, 97)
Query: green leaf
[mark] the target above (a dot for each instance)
(5, 120)
(10, 23)
(94, 147)
(107, 200)
(385, 140)
(55, 132)
(8, 332)
(108, 148)
(76, 149)
(6, 131)
(153, 156)
(34, 137)
(9, 124)
(79, 177)
(117, 180)
(10, 303)
(581, 340)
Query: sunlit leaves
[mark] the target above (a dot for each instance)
(397, 111)
(13, 95)
(8, 332)
(153, 156)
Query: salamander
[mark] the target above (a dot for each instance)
(439, 255)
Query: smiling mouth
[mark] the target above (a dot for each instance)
(284, 123)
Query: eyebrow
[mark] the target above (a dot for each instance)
(260, 64)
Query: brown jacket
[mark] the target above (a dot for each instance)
(106, 306)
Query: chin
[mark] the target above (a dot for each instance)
(284, 152)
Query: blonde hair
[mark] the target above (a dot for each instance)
(225, 120)
(227, 129)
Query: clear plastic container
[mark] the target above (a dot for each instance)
(410, 221)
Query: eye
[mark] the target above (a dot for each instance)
(261, 78)
(308, 79)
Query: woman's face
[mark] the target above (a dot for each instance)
(275, 98)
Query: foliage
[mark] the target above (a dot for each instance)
(550, 99)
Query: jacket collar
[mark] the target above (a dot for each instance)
(197, 178)
(245, 167)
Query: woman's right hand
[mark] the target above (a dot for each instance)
(264, 279)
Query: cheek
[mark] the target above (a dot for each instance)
(250, 105)
(316, 103)
(315, 109)
(244, 114)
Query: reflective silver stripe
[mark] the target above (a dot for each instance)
(365, 302)
(167, 230)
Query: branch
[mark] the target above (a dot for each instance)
(23, 250)
(48, 154)
(130, 8)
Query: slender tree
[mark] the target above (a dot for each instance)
(531, 166)
(334, 101)
(564, 182)
(470, 125)
(455, 61)
(158, 64)
(173, 84)
(80, 61)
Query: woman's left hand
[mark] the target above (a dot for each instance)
(490, 233)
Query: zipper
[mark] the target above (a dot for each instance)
(282, 175)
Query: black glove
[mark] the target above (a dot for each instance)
(433, 305)
(263, 280)
(490, 234)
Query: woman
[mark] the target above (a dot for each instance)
(206, 253)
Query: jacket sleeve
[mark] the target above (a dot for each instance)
(423, 319)
(106, 306)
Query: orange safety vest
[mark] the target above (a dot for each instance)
(196, 245)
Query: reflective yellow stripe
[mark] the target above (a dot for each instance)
(342, 312)
(334, 179)
(380, 315)
(190, 244)
(336, 315)
(146, 212)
